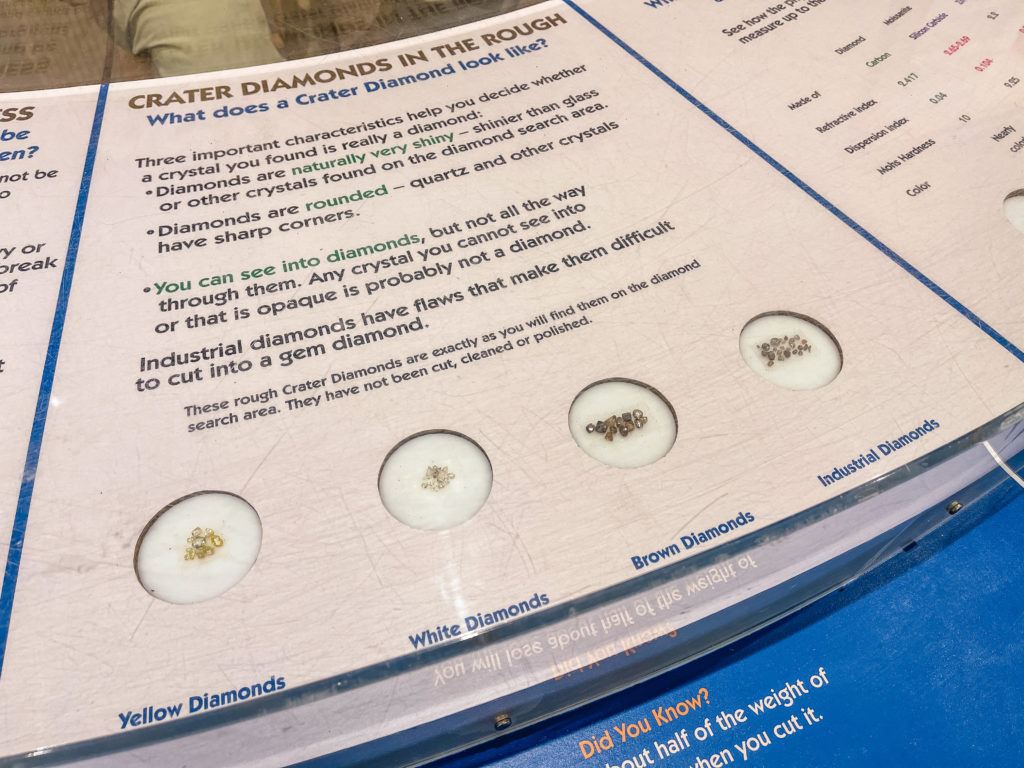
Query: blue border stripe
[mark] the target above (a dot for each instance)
(818, 198)
(28, 478)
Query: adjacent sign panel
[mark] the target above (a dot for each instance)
(44, 140)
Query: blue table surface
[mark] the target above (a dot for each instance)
(924, 661)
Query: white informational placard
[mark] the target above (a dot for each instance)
(281, 273)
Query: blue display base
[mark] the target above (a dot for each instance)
(924, 659)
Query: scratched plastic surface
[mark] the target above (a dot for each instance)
(56, 44)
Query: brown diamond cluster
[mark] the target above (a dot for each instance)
(620, 425)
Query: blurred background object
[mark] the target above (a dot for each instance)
(59, 43)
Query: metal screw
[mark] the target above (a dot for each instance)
(502, 721)
(954, 507)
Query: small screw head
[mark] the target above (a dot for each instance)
(954, 507)
(502, 721)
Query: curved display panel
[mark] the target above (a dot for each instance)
(524, 359)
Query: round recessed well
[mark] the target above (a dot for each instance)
(1013, 207)
(622, 423)
(198, 547)
(791, 350)
(435, 480)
